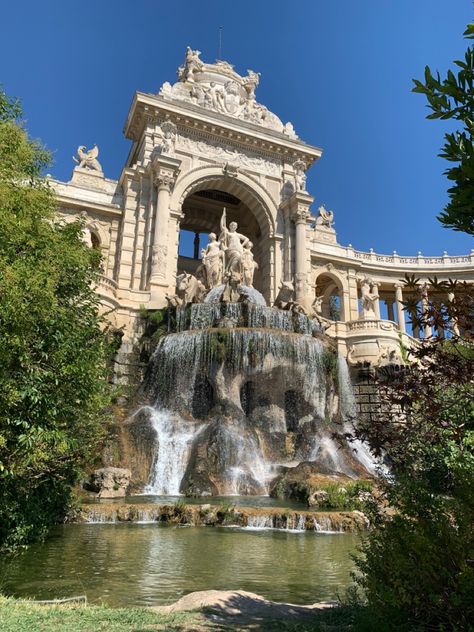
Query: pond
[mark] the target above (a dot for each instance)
(151, 564)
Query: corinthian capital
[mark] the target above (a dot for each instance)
(164, 180)
(300, 214)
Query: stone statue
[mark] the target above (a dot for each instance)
(250, 83)
(289, 130)
(300, 177)
(213, 261)
(217, 97)
(367, 299)
(249, 265)
(192, 64)
(88, 159)
(286, 296)
(188, 290)
(232, 243)
(86, 231)
(166, 138)
(325, 218)
(317, 305)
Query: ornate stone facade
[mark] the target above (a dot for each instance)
(205, 143)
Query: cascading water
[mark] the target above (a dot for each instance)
(240, 391)
(175, 438)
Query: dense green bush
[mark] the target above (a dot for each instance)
(416, 567)
(53, 382)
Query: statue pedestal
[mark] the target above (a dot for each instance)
(88, 178)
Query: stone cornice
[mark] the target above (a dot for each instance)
(65, 201)
(147, 108)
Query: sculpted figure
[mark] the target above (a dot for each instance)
(317, 305)
(188, 290)
(285, 296)
(300, 177)
(251, 82)
(325, 218)
(248, 265)
(213, 261)
(217, 97)
(289, 130)
(167, 138)
(367, 300)
(232, 243)
(88, 159)
(192, 64)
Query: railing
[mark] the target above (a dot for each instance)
(396, 260)
(418, 261)
(109, 285)
(359, 326)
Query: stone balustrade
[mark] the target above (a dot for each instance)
(360, 326)
(418, 261)
(107, 285)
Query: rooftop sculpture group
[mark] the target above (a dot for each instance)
(219, 88)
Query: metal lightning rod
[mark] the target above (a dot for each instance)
(220, 43)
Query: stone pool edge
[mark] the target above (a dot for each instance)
(222, 515)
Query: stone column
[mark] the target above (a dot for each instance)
(389, 304)
(400, 310)
(196, 245)
(375, 289)
(424, 309)
(300, 217)
(165, 170)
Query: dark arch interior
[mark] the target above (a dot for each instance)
(202, 213)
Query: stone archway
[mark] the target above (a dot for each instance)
(198, 199)
(330, 287)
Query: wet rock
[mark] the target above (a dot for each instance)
(317, 498)
(109, 482)
(140, 446)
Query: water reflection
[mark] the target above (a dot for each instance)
(132, 564)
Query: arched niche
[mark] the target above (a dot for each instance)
(329, 286)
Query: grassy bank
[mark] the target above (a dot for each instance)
(24, 616)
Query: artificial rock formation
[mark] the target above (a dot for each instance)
(109, 482)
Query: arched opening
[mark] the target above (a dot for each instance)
(95, 240)
(329, 293)
(201, 215)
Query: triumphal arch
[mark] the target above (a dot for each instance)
(204, 144)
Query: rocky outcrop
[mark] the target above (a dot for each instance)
(321, 488)
(109, 482)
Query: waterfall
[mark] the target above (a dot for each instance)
(349, 415)
(175, 438)
(213, 314)
(238, 388)
(179, 357)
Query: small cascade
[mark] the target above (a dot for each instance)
(175, 438)
(214, 315)
(260, 522)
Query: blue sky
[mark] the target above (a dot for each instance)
(340, 70)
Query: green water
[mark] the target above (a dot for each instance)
(142, 564)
